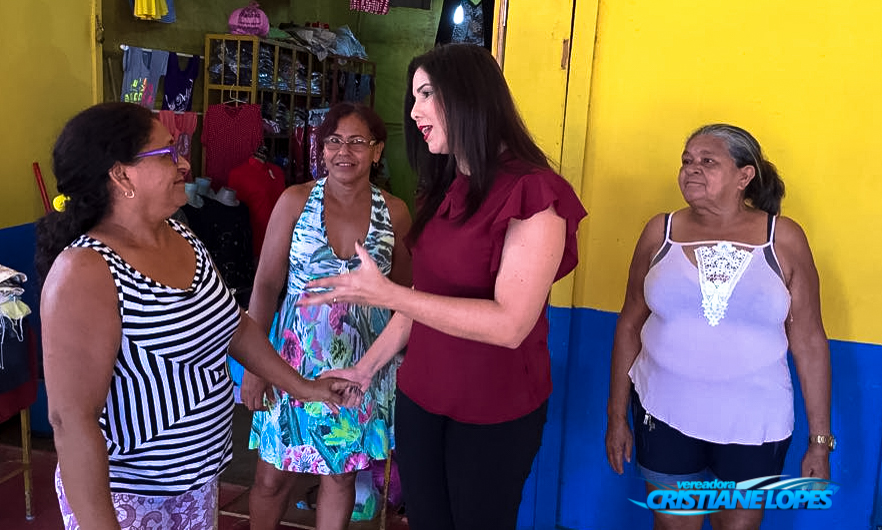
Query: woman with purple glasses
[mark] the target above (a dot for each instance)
(136, 328)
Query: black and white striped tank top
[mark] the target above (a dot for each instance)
(168, 415)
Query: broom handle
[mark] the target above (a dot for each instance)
(39, 176)
(387, 474)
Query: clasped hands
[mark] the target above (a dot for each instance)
(331, 389)
(346, 386)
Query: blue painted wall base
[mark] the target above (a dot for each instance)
(573, 487)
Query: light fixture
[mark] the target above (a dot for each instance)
(458, 15)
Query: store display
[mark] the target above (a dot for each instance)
(287, 82)
(193, 198)
(227, 197)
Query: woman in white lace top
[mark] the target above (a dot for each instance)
(717, 294)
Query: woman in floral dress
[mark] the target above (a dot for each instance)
(312, 234)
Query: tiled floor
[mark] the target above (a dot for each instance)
(233, 490)
(233, 500)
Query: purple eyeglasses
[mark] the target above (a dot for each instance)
(170, 150)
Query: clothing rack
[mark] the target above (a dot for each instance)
(157, 111)
(125, 47)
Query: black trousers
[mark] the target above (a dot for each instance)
(461, 476)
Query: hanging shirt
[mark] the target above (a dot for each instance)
(15, 363)
(168, 18)
(150, 9)
(179, 84)
(230, 135)
(181, 126)
(376, 7)
(141, 72)
(259, 185)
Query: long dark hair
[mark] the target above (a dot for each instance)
(87, 148)
(766, 189)
(368, 116)
(481, 119)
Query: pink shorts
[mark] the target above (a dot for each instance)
(194, 510)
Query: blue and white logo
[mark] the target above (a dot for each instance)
(702, 497)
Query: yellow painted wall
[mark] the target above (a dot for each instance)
(45, 77)
(551, 93)
(803, 77)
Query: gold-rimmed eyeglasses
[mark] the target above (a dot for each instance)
(356, 144)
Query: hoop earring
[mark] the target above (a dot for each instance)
(130, 194)
(375, 165)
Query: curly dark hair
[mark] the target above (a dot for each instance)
(89, 145)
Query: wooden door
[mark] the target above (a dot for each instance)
(546, 52)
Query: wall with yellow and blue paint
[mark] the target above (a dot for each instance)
(804, 78)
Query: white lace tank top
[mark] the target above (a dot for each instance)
(713, 362)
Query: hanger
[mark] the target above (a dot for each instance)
(234, 98)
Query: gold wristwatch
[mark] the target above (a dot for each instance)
(827, 440)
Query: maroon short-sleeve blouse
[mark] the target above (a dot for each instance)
(466, 380)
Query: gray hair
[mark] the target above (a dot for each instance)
(767, 189)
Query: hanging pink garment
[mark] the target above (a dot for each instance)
(376, 7)
(230, 135)
(181, 125)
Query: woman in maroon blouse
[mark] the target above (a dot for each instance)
(494, 229)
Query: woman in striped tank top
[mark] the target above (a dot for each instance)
(136, 328)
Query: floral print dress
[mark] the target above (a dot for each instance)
(307, 437)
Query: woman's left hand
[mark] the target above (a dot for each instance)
(816, 462)
(364, 286)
